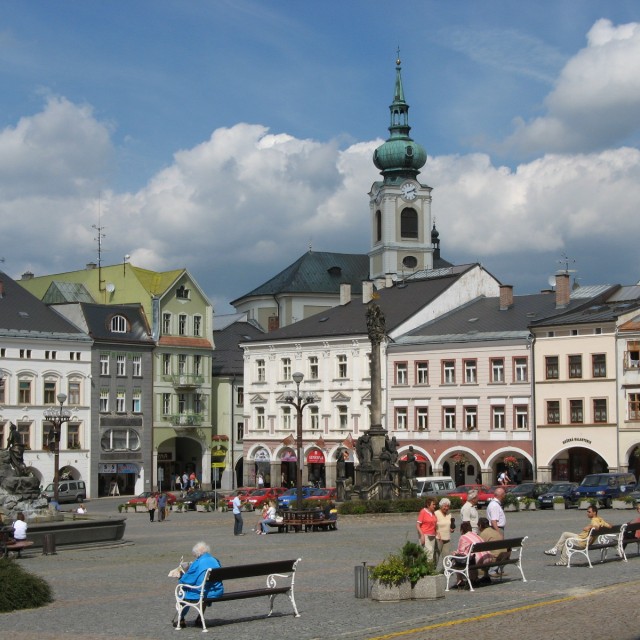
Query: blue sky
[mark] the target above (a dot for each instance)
(228, 136)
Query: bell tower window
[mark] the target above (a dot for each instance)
(409, 223)
(378, 237)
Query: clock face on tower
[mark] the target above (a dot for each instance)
(409, 191)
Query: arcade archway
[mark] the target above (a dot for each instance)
(577, 462)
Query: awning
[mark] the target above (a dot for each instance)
(315, 456)
(289, 457)
(419, 458)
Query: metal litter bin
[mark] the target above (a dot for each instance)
(48, 544)
(362, 581)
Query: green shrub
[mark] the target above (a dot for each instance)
(21, 589)
(352, 508)
(404, 505)
(417, 562)
(391, 571)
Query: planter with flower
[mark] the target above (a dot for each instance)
(390, 580)
(559, 503)
(426, 583)
(511, 462)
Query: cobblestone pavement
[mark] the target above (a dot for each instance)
(123, 591)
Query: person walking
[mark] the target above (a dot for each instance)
(426, 527)
(469, 511)
(185, 482)
(236, 505)
(152, 505)
(445, 526)
(162, 505)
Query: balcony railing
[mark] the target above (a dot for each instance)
(185, 420)
(185, 380)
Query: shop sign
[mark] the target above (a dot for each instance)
(165, 456)
(576, 440)
(108, 468)
(315, 456)
(289, 456)
(127, 467)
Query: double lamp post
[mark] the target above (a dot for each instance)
(299, 402)
(56, 417)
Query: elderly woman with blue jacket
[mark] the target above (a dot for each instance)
(193, 577)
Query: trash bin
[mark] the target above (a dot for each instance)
(362, 581)
(48, 544)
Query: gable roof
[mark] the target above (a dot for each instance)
(228, 357)
(98, 318)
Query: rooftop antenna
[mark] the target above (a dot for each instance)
(566, 261)
(100, 229)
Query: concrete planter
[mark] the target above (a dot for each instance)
(390, 593)
(141, 508)
(559, 506)
(584, 504)
(621, 504)
(429, 588)
(201, 508)
(511, 507)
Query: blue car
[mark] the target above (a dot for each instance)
(566, 490)
(291, 495)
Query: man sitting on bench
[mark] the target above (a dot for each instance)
(194, 576)
(561, 546)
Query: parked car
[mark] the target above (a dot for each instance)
(463, 490)
(566, 490)
(291, 495)
(606, 486)
(435, 485)
(142, 498)
(192, 498)
(492, 491)
(258, 497)
(529, 489)
(328, 494)
(243, 492)
(68, 491)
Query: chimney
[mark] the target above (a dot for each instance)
(27, 275)
(379, 283)
(388, 280)
(563, 291)
(91, 265)
(367, 291)
(345, 293)
(506, 296)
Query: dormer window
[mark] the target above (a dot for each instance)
(119, 324)
(182, 293)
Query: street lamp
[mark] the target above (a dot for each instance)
(299, 402)
(56, 417)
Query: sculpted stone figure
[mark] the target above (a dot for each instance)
(16, 450)
(364, 449)
(410, 467)
(385, 465)
(341, 463)
(392, 447)
(376, 324)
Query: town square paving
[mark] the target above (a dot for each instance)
(123, 591)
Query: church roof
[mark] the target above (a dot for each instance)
(317, 272)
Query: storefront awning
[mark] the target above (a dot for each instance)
(315, 456)
(419, 458)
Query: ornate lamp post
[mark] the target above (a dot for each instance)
(56, 417)
(299, 402)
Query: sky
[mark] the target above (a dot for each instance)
(229, 136)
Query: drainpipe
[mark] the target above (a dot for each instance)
(233, 433)
(618, 403)
(534, 426)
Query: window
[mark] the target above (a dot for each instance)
(197, 325)
(73, 436)
(182, 324)
(314, 418)
(166, 364)
(182, 402)
(599, 364)
(120, 440)
(47, 437)
(576, 412)
(313, 368)
(422, 418)
(136, 366)
(343, 416)
(166, 404)
(73, 355)
(600, 410)
(197, 365)
(575, 366)
(104, 400)
(632, 355)
(121, 365)
(422, 373)
(634, 406)
(286, 368)
(74, 393)
(2, 398)
(286, 418)
(449, 414)
(182, 364)
(522, 416)
(24, 392)
(104, 364)
(260, 418)
(118, 324)
(497, 417)
(239, 396)
(121, 400)
(3, 352)
(239, 431)
(401, 373)
(182, 293)
(342, 365)
(409, 223)
(553, 412)
(470, 371)
(24, 434)
(401, 418)
(136, 400)
(378, 226)
(25, 353)
(51, 355)
(471, 418)
(497, 370)
(166, 323)
(50, 393)
(551, 368)
(199, 403)
(521, 373)
(260, 370)
(449, 372)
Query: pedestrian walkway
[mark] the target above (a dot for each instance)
(124, 591)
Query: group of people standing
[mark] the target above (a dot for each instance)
(186, 481)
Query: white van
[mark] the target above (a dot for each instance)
(68, 491)
(435, 485)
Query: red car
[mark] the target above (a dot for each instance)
(142, 498)
(243, 492)
(490, 492)
(463, 490)
(258, 497)
(329, 494)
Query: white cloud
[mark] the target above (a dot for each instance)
(596, 101)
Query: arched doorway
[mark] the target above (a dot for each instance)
(634, 461)
(288, 468)
(262, 466)
(316, 468)
(577, 462)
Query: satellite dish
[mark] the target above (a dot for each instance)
(111, 287)
(552, 281)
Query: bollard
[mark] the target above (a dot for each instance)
(362, 581)
(48, 544)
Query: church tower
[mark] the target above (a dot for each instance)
(400, 205)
